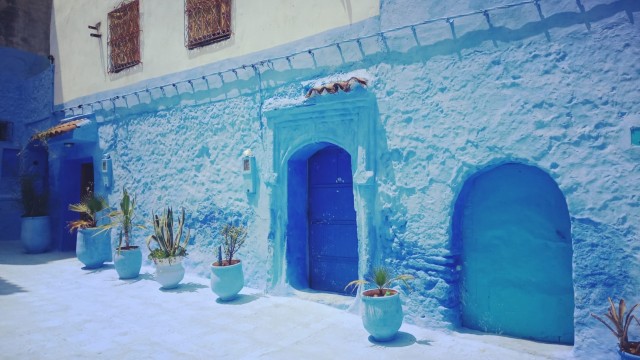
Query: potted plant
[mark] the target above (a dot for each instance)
(170, 249)
(128, 258)
(382, 313)
(628, 350)
(227, 278)
(35, 231)
(92, 244)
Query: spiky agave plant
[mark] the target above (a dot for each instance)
(168, 244)
(89, 207)
(621, 322)
(383, 278)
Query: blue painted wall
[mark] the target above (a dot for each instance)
(26, 101)
(554, 87)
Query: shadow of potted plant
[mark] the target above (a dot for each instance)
(227, 278)
(382, 312)
(35, 232)
(170, 250)
(620, 321)
(128, 258)
(92, 244)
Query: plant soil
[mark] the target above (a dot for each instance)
(634, 348)
(376, 292)
(226, 262)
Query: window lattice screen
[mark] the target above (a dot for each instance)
(206, 22)
(124, 36)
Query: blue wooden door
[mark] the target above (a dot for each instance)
(333, 240)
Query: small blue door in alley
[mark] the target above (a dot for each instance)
(333, 241)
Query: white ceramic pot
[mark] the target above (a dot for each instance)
(169, 271)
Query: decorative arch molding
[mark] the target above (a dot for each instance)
(347, 121)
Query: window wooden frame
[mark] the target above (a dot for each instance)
(206, 22)
(124, 36)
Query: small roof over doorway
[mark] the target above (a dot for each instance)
(73, 130)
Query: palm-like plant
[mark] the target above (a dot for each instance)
(383, 278)
(168, 244)
(89, 207)
(621, 322)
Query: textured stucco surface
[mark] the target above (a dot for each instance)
(556, 89)
(26, 102)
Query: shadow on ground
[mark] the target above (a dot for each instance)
(402, 339)
(240, 300)
(13, 254)
(8, 288)
(186, 287)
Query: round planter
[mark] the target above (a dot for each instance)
(35, 234)
(382, 316)
(128, 262)
(227, 281)
(169, 271)
(90, 245)
(627, 356)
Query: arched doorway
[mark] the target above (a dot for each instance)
(322, 240)
(513, 225)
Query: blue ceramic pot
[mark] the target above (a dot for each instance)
(169, 271)
(35, 234)
(227, 281)
(128, 262)
(382, 316)
(90, 245)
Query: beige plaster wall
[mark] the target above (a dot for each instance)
(81, 60)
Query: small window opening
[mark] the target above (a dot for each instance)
(6, 133)
(124, 36)
(206, 22)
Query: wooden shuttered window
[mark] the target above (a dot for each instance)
(206, 22)
(124, 36)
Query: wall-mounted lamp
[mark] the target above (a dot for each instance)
(249, 171)
(96, 28)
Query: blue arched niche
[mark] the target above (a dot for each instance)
(511, 225)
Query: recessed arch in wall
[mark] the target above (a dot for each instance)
(512, 225)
